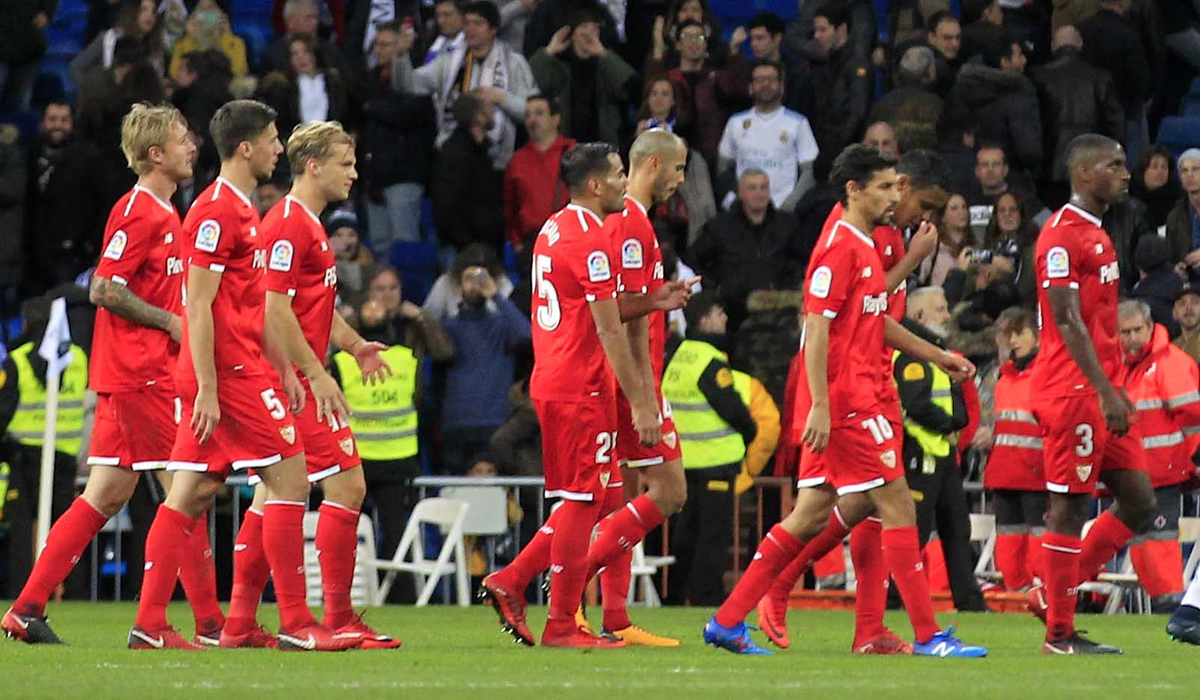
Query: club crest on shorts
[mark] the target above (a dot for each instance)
(604, 477)
(1084, 471)
(288, 433)
(889, 459)
(671, 439)
(347, 445)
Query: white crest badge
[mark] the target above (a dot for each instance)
(631, 254)
(208, 235)
(1058, 263)
(821, 282)
(288, 433)
(281, 256)
(1083, 471)
(347, 445)
(889, 459)
(116, 245)
(670, 438)
(597, 266)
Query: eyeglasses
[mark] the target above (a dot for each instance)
(692, 37)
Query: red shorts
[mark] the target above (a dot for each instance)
(135, 429)
(578, 448)
(858, 458)
(255, 431)
(328, 449)
(1078, 448)
(630, 449)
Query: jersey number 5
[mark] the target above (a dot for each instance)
(273, 404)
(548, 316)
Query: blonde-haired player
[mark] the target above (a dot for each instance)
(301, 291)
(136, 286)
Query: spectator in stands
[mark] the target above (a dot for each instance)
(389, 318)
(706, 95)
(467, 193)
(593, 84)
(448, 14)
(308, 91)
(13, 172)
(397, 147)
(1187, 313)
(532, 190)
(750, 247)
(137, 19)
(549, 16)
(882, 137)
(843, 80)
(1075, 98)
(983, 32)
(208, 28)
(268, 194)
(1112, 44)
(486, 68)
(912, 107)
(201, 87)
(667, 29)
(353, 261)
(1012, 238)
(992, 179)
(514, 15)
(446, 296)
(1158, 284)
(301, 18)
(487, 332)
(766, 36)
(945, 37)
(998, 104)
(954, 236)
(1183, 223)
(1155, 181)
(22, 43)
(770, 138)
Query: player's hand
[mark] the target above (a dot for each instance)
(1004, 265)
(1118, 410)
(658, 36)
(405, 43)
(924, 241)
(175, 328)
(959, 368)
(332, 408)
(648, 424)
(206, 413)
(964, 259)
(558, 42)
(294, 391)
(1193, 258)
(374, 368)
(816, 428)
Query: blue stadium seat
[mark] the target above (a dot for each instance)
(57, 66)
(262, 7)
(1178, 134)
(742, 10)
(418, 266)
(257, 33)
(48, 87)
(1195, 86)
(1190, 107)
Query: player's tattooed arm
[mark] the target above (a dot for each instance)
(118, 299)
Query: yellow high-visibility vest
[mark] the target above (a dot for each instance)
(705, 439)
(933, 445)
(383, 416)
(28, 424)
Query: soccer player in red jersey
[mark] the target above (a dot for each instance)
(233, 410)
(579, 344)
(923, 184)
(1086, 418)
(137, 287)
(301, 291)
(842, 393)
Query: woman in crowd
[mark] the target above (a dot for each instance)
(1012, 238)
(1155, 182)
(137, 19)
(353, 262)
(308, 90)
(954, 234)
(208, 28)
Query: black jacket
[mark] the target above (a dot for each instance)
(1158, 290)
(467, 193)
(1075, 98)
(1001, 107)
(66, 207)
(20, 41)
(398, 135)
(914, 113)
(842, 86)
(1111, 43)
(1126, 223)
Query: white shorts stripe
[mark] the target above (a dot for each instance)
(104, 461)
(648, 462)
(1057, 488)
(569, 495)
(176, 466)
(149, 465)
(324, 473)
(860, 488)
(256, 463)
(810, 483)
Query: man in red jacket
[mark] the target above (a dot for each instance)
(532, 191)
(1163, 382)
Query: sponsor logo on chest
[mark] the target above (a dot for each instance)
(331, 276)
(259, 261)
(1110, 273)
(874, 305)
(174, 266)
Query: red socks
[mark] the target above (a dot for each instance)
(198, 574)
(870, 596)
(68, 538)
(614, 585)
(1061, 562)
(283, 542)
(1012, 557)
(1159, 566)
(776, 550)
(1107, 536)
(250, 575)
(903, 557)
(622, 532)
(337, 547)
(166, 545)
(569, 563)
(818, 547)
(533, 559)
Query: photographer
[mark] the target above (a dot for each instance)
(1011, 235)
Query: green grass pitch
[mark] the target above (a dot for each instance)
(460, 653)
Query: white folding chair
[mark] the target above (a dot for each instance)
(642, 569)
(449, 515)
(1189, 532)
(362, 590)
(983, 531)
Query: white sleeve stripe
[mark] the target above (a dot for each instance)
(827, 313)
(291, 292)
(216, 267)
(119, 280)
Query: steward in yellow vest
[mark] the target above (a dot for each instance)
(934, 412)
(715, 426)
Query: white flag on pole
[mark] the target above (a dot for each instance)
(56, 351)
(56, 343)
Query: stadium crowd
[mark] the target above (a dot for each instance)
(462, 112)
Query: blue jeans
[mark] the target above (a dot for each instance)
(398, 218)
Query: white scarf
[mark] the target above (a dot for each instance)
(492, 73)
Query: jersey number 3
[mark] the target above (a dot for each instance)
(548, 316)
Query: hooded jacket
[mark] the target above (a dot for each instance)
(1163, 382)
(1002, 107)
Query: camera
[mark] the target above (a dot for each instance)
(1009, 248)
(981, 257)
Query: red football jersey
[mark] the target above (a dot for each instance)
(571, 267)
(301, 265)
(1074, 251)
(141, 251)
(845, 283)
(221, 234)
(640, 270)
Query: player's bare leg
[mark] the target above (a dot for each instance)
(250, 575)
(337, 547)
(283, 541)
(198, 575)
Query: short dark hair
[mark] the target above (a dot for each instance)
(760, 62)
(1016, 319)
(700, 305)
(768, 21)
(583, 162)
(938, 17)
(1086, 146)
(924, 169)
(997, 51)
(551, 102)
(688, 23)
(857, 163)
(992, 146)
(237, 121)
(458, 4)
(836, 12)
(465, 108)
(487, 10)
(392, 25)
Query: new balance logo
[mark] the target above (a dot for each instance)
(156, 642)
(556, 569)
(942, 649)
